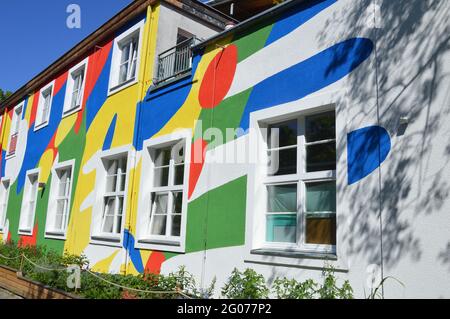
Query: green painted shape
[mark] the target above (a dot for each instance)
(252, 40)
(218, 217)
(71, 147)
(13, 211)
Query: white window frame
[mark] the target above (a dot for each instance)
(26, 202)
(4, 199)
(97, 236)
(114, 86)
(15, 118)
(41, 122)
(51, 209)
(255, 207)
(153, 242)
(301, 178)
(67, 108)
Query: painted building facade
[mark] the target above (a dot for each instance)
(150, 149)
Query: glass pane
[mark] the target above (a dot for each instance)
(160, 202)
(283, 162)
(159, 225)
(320, 127)
(281, 228)
(111, 182)
(59, 222)
(113, 166)
(108, 224)
(177, 202)
(282, 134)
(176, 225)
(178, 152)
(123, 72)
(125, 52)
(163, 156)
(321, 197)
(321, 157)
(321, 231)
(123, 178)
(179, 174)
(282, 198)
(161, 176)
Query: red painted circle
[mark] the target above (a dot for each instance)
(218, 77)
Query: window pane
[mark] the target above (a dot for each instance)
(176, 225)
(178, 153)
(160, 202)
(282, 134)
(320, 127)
(321, 197)
(108, 224)
(123, 72)
(281, 228)
(177, 202)
(125, 52)
(179, 174)
(159, 225)
(321, 157)
(108, 216)
(282, 198)
(161, 176)
(321, 231)
(283, 162)
(163, 156)
(111, 182)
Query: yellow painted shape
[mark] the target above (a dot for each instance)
(190, 111)
(123, 104)
(6, 131)
(29, 108)
(45, 164)
(64, 128)
(103, 265)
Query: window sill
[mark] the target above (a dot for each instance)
(294, 254)
(55, 235)
(122, 86)
(114, 241)
(25, 232)
(40, 126)
(160, 245)
(9, 156)
(70, 112)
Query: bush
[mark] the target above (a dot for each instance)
(240, 285)
(246, 285)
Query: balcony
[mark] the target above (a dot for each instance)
(175, 62)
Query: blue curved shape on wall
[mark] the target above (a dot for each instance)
(110, 134)
(134, 253)
(367, 148)
(308, 76)
(294, 18)
(37, 142)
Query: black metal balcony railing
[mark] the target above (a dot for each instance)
(175, 61)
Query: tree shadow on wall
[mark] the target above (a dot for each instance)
(411, 44)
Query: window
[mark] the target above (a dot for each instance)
(44, 106)
(111, 193)
(14, 132)
(27, 211)
(163, 201)
(75, 88)
(300, 183)
(59, 201)
(4, 195)
(125, 61)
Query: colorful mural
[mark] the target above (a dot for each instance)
(223, 90)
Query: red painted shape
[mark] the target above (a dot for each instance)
(59, 82)
(8, 239)
(218, 77)
(154, 263)
(34, 108)
(96, 64)
(198, 152)
(25, 241)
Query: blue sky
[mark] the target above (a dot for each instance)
(34, 34)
